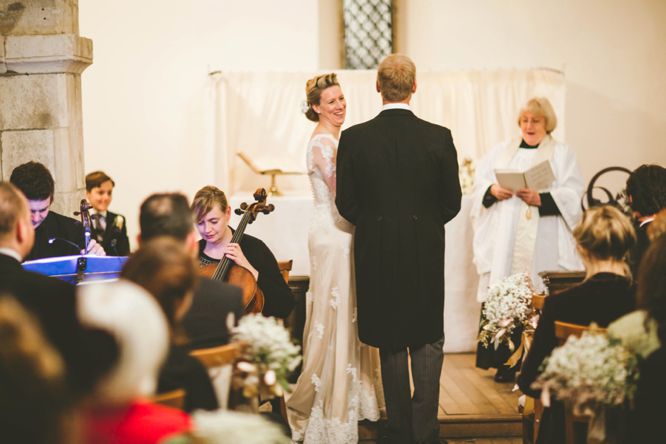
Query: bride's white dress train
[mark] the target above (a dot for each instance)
(340, 383)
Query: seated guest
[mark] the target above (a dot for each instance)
(215, 304)
(638, 330)
(55, 234)
(212, 213)
(646, 193)
(648, 416)
(603, 238)
(165, 270)
(34, 402)
(51, 301)
(109, 230)
(118, 411)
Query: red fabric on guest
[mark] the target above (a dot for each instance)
(142, 422)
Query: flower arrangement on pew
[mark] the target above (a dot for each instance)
(267, 358)
(466, 175)
(508, 306)
(592, 371)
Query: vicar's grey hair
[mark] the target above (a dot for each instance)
(540, 107)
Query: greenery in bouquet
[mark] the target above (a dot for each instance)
(267, 359)
(507, 306)
(592, 371)
(466, 175)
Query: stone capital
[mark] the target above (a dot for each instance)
(43, 54)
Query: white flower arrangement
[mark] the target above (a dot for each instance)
(466, 175)
(267, 358)
(591, 371)
(507, 306)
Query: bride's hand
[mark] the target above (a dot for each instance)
(234, 252)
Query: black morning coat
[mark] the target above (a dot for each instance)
(397, 182)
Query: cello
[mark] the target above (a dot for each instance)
(228, 271)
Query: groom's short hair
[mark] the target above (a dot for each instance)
(396, 75)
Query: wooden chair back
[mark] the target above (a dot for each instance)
(219, 361)
(174, 399)
(285, 268)
(562, 331)
(537, 301)
(218, 356)
(557, 281)
(565, 329)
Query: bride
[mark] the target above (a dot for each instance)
(340, 381)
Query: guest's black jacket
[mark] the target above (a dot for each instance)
(647, 419)
(182, 371)
(114, 238)
(205, 323)
(279, 301)
(601, 299)
(87, 353)
(61, 229)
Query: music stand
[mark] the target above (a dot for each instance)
(78, 269)
(273, 172)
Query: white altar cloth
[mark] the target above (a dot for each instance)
(285, 231)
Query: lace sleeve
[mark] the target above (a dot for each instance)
(321, 160)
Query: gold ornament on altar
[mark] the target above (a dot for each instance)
(466, 175)
(271, 168)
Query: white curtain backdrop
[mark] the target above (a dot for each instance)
(259, 113)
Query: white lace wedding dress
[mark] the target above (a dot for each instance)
(340, 383)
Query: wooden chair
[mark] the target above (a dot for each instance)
(537, 301)
(532, 413)
(285, 268)
(562, 331)
(219, 361)
(175, 399)
(556, 281)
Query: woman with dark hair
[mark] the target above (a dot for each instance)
(163, 268)
(648, 416)
(109, 229)
(646, 193)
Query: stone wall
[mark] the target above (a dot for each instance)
(41, 61)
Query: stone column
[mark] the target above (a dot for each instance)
(41, 61)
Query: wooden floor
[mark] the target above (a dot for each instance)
(472, 407)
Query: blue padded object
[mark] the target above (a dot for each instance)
(77, 269)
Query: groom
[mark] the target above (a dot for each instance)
(397, 181)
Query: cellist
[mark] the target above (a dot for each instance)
(212, 213)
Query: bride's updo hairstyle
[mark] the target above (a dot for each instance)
(313, 90)
(605, 233)
(205, 199)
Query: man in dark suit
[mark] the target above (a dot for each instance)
(87, 353)
(397, 181)
(55, 234)
(216, 306)
(109, 229)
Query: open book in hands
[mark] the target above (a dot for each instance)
(537, 178)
